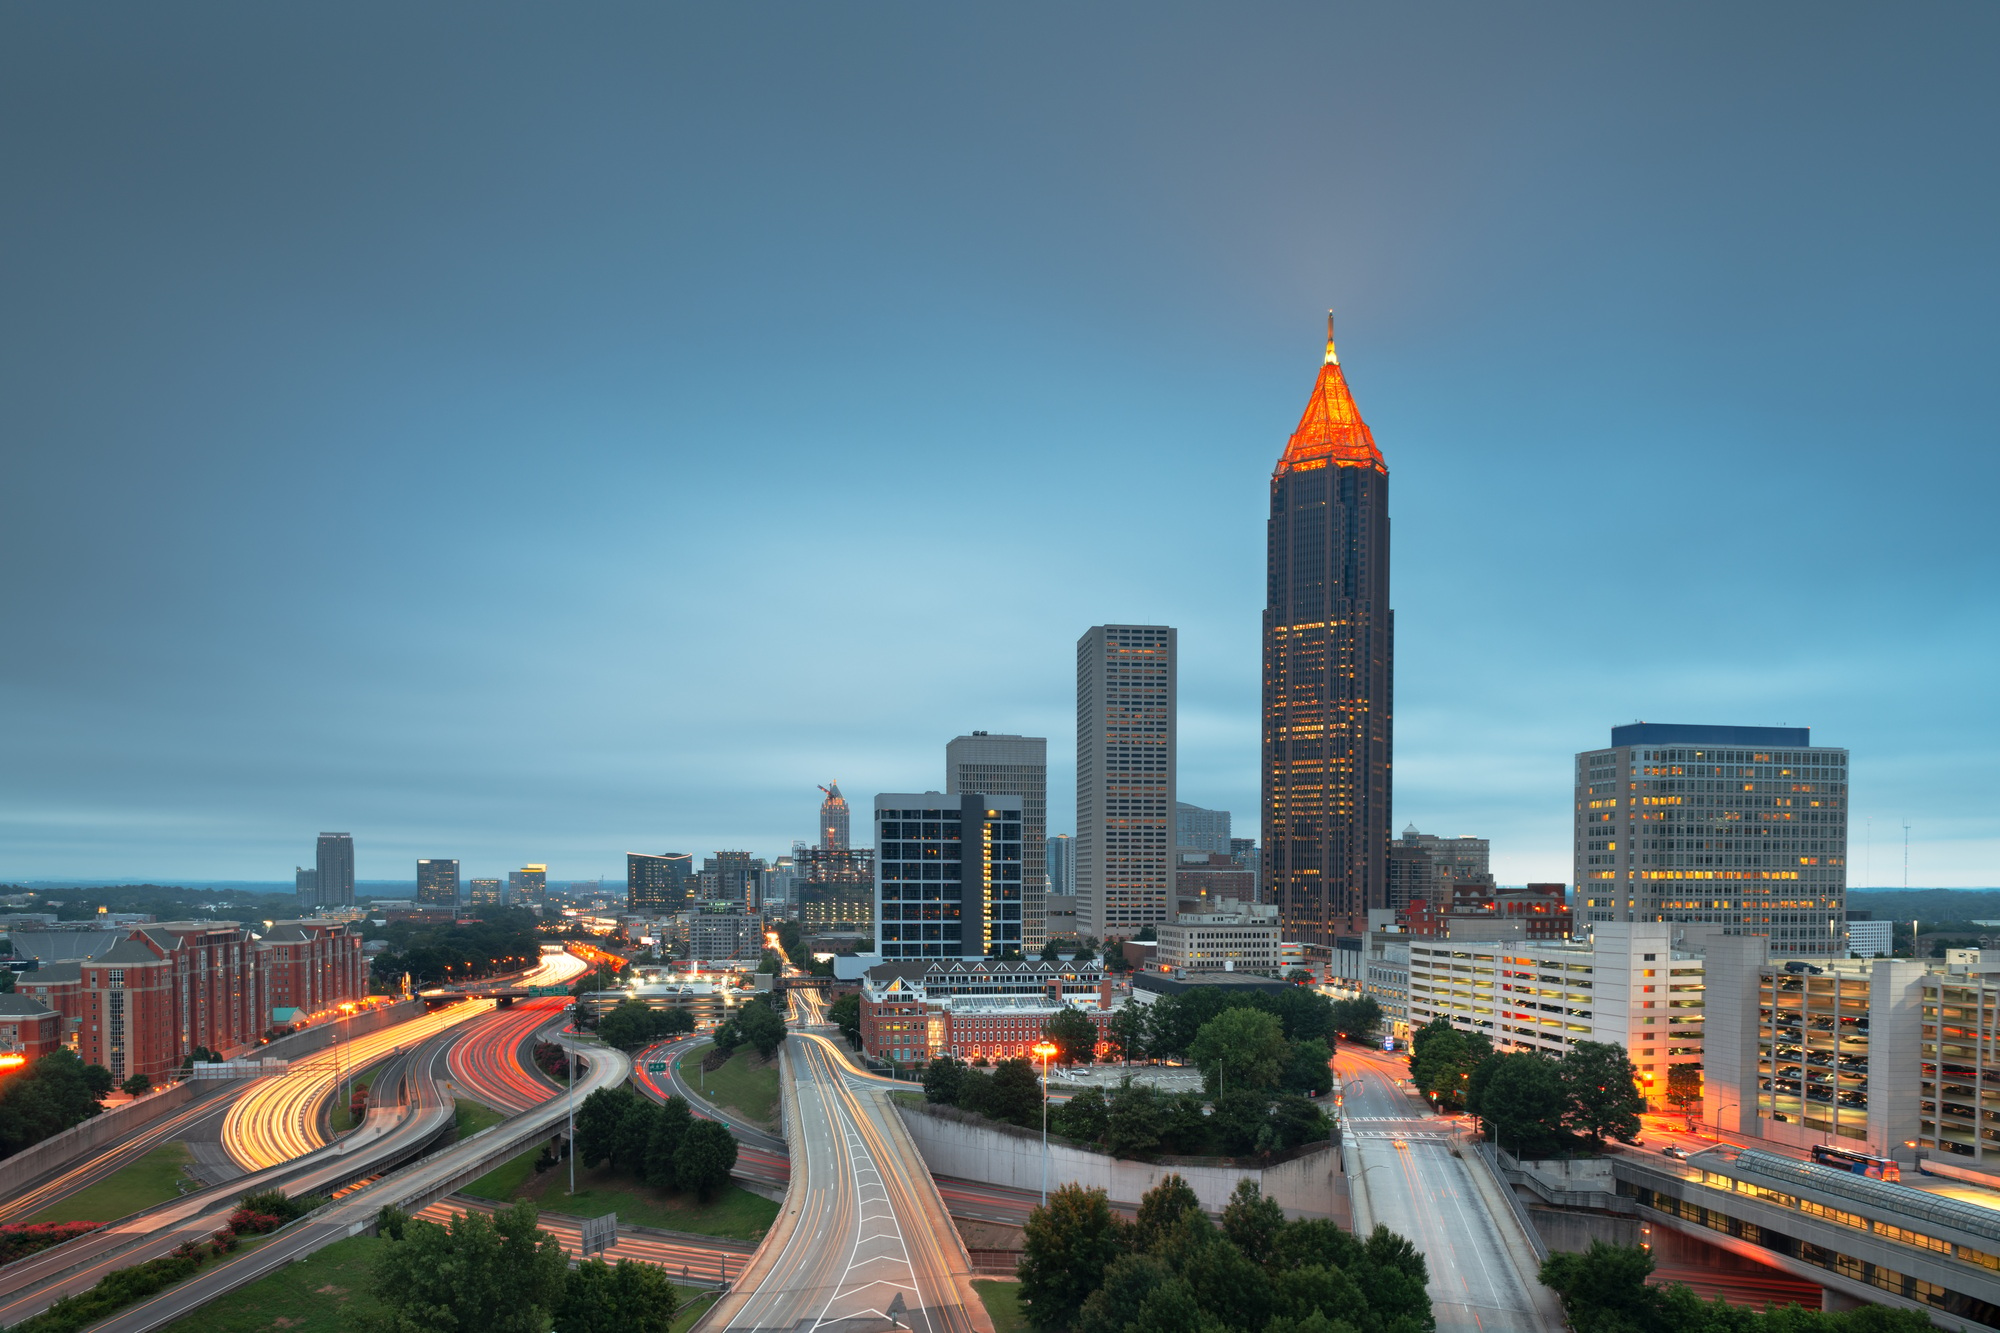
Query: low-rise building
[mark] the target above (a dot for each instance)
(29, 1030)
(1243, 938)
(912, 1012)
(1386, 980)
(1627, 985)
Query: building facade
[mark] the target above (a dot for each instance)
(1329, 662)
(333, 877)
(1240, 940)
(735, 876)
(1739, 827)
(437, 883)
(837, 889)
(1200, 830)
(833, 819)
(974, 1009)
(1627, 986)
(1127, 690)
(662, 882)
(948, 881)
(528, 886)
(29, 1030)
(1203, 881)
(1869, 938)
(1011, 766)
(1061, 861)
(484, 893)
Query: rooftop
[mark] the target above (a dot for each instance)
(1684, 733)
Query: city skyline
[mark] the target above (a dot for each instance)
(1586, 341)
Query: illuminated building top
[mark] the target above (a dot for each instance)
(1331, 432)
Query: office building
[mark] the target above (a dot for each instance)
(484, 893)
(736, 875)
(837, 889)
(1329, 661)
(1423, 867)
(723, 930)
(1011, 766)
(949, 877)
(661, 883)
(1200, 830)
(333, 873)
(1628, 985)
(1739, 827)
(833, 820)
(1126, 727)
(1243, 851)
(437, 883)
(305, 887)
(528, 886)
(1869, 938)
(1203, 881)
(779, 886)
(1241, 937)
(1061, 861)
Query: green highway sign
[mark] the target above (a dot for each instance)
(657, 1067)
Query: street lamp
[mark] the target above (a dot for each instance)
(1727, 1106)
(1045, 1049)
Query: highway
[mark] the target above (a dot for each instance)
(862, 1226)
(487, 1061)
(277, 1120)
(1482, 1265)
(97, 1166)
(693, 1259)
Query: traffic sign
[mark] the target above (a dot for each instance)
(656, 1067)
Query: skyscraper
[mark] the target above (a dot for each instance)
(1011, 766)
(1126, 697)
(948, 883)
(833, 820)
(483, 893)
(437, 883)
(662, 883)
(1061, 861)
(1200, 830)
(736, 874)
(1739, 827)
(528, 886)
(1329, 658)
(305, 886)
(334, 876)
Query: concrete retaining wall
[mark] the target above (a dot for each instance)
(1570, 1232)
(30, 1165)
(1308, 1186)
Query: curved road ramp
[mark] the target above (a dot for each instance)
(864, 1239)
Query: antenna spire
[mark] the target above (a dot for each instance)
(1332, 357)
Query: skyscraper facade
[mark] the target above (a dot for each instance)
(528, 886)
(437, 883)
(659, 883)
(833, 820)
(483, 893)
(1061, 861)
(1329, 659)
(334, 876)
(736, 875)
(838, 889)
(1126, 697)
(1011, 766)
(1744, 828)
(1200, 830)
(948, 881)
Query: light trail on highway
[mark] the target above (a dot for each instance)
(277, 1120)
(555, 969)
(486, 1061)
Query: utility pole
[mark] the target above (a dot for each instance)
(569, 1067)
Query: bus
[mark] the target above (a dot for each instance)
(1860, 1163)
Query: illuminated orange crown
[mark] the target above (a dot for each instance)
(1331, 433)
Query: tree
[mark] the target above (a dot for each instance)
(1014, 1094)
(630, 1025)
(1521, 1102)
(1084, 1117)
(944, 1079)
(1251, 1221)
(1067, 1245)
(1126, 1033)
(633, 1137)
(1073, 1034)
(706, 1156)
(630, 1298)
(1442, 1060)
(1135, 1120)
(136, 1086)
(1161, 1209)
(1604, 1289)
(1684, 1088)
(1358, 1020)
(473, 1275)
(1242, 1048)
(1600, 1094)
(597, 1123)
(46, 1098)
(670, 1126)
(1130, 1297)
(762, 1027)
(1051, 950)
(845, 1014)
(98, 1079)
(1308, 1068)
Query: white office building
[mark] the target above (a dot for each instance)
(1126, 693)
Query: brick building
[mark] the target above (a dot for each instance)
(29, 1030)
(143, 1005)
(912, 1012)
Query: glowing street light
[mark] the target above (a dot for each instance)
(1045, 1049)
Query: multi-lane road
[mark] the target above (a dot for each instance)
(1482, 1264)
(863, 1234)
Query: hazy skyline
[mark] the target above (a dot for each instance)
(531, 435)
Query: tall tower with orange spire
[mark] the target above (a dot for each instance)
(1329, 659)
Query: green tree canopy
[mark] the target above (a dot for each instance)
(762, 1026)
(1068, 1244)
(1521, 1101)
(944, 1079)
(629, 1298)
(1242, 1048)
(845, 1014)
(1073, 1035)
(48, 1097)
(1358, 1020)
(1600, 1093)
(1442, 1060)
(1126, 1033)
(473, 1275)
(706, 1156)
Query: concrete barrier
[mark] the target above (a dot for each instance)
(1311, 1185)
(31, 1165)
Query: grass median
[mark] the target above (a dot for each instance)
(734, 1213)
(746, 1084)
(313, 1295)
(1003, 1304)
(153, 1179)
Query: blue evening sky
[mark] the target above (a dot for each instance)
(537, 432)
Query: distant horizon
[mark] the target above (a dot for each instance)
(286, 886)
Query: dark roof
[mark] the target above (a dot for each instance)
(56, 945)
(129, 951)
(1161, 984)
(22, 1006)
(52, 974)
(908, 971)
(1682, 733)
